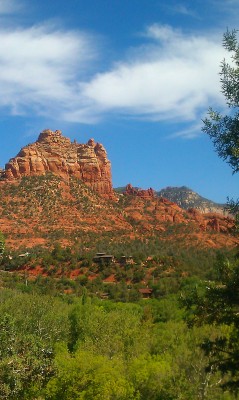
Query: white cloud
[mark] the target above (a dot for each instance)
(40, 69)
(45, 71)
(175, 79)
(182, 9)
(193, 131)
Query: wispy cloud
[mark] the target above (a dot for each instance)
(9, 6)
(193, 131)
(230, 5)
(40, 69)
(175, 78)
(183, 10)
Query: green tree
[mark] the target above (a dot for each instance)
(30, 325)
(25, 362)
(223, 129)
(86, 375)
(218, 303)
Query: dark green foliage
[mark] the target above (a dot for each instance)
(217, 302)
(223, 130)
(224, 134)
(220, 300)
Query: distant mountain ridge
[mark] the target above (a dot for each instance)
(186, 198)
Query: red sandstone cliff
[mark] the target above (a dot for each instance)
(55, 153)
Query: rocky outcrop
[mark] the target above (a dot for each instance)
(145, 194)
(54, 153)
(212, 221)
(164, 210)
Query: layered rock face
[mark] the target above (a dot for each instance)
(53, 152)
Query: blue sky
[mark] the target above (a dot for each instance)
(136, 75)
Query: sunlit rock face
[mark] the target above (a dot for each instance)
(52, 152)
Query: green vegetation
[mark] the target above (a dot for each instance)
(85, 348)
(66, 333)
(83, 338)
(147, 263)
(217, 302)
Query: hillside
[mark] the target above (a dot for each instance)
(185, 198)
(47, 195)
(43, 209)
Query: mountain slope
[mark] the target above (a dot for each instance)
(43, 200)
(187, 198)
(43, 209)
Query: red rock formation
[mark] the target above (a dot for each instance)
(145, 194)
(211, 221)
(55, 153)
(55, 206)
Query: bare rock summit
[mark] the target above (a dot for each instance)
(52, 152)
